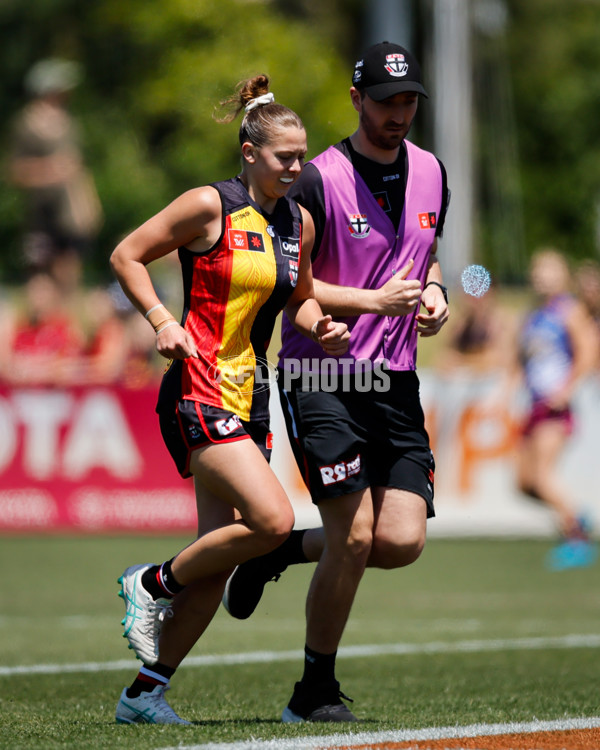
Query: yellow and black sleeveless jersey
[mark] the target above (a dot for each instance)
(232, 296)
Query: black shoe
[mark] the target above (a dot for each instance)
(246, 584)
(317, 703)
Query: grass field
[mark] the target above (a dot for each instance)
(476, 631)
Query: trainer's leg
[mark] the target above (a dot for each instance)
(399, 531)
(400, 528)
(348, 527)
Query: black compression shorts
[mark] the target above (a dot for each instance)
(347, 440)
(193, 425)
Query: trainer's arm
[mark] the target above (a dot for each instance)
(433, 301)
(398, 296)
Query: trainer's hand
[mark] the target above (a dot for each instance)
(174, 342)
(333, 337)
(431, 322)
(399, 295)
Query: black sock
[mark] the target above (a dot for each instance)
(291, 552)
(148, 678)
(318, 668)
(159, 581)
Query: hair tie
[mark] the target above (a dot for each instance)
(259, 101)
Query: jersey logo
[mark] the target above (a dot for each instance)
(241, 239)
(383, 200)
(293, 272)
(428, 220)
(359, 226)
(290, 247)
(396, 65)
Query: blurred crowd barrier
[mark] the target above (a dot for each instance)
(91, 459)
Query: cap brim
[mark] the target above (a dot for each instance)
(382, 91)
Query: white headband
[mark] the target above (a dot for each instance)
(259, 101)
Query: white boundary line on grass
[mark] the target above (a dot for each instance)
(345, 652)
(375, 739)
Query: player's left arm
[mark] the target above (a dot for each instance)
(433, 298)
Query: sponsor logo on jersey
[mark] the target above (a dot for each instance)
(240, 215)
(396, 65)
(241, 239)
(383, 200)
(271, 230)
(227, 426)
(428, 220)
(293, 272)
(359, 226)
(290, 247)
(341, 471)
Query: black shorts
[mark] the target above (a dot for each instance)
(345, 441)
(193, 425)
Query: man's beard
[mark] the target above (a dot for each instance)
(378, 136)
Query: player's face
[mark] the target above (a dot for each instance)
(276, 166)
(549, 275)
(386, 123)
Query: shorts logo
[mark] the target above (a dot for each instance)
(359, 226)
(227, 426)
(241, 239)
(428, 220)
(293, 272)
(396, 65)
(341, 471)
(194, 432)
(290, 247)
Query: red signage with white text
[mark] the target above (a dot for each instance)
(88, 459)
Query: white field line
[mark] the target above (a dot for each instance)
(375, 740)
(345, 652)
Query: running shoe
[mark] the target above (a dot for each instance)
(246, 584)
(573, 553)
(143, 615)
(148, 708)
(317, 703)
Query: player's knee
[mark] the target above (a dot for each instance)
(358, 547)
(390, 553)
(276, 527)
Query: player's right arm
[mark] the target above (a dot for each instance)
(192, 220)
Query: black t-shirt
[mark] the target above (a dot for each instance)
(387, 183)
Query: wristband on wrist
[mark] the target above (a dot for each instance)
(170, 323)
(152, 309)
(157, 316)
(441, 286)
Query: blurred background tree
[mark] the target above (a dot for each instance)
(154, 72)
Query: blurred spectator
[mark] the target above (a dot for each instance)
(42, 343)
(557, 347)
(63, 212)
(119, 350)
(480, 335)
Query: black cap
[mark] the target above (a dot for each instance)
(386, 69)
